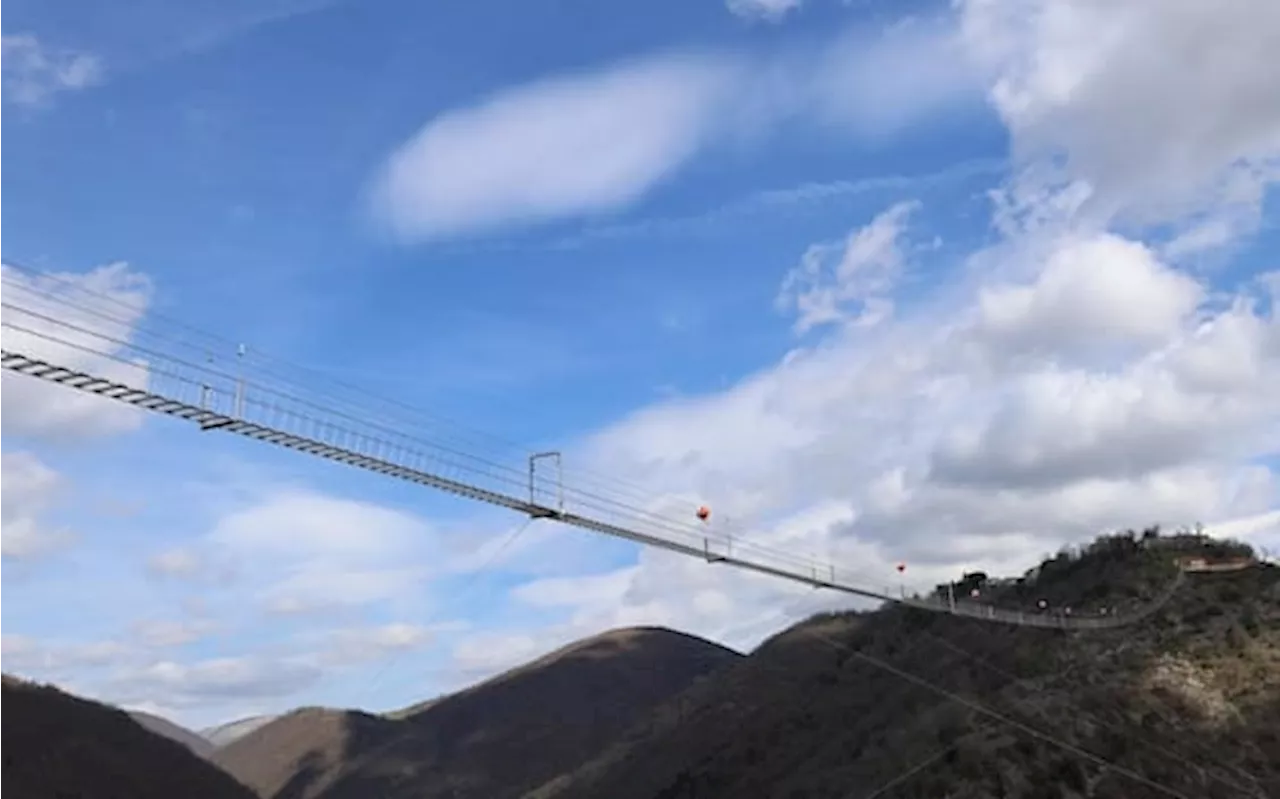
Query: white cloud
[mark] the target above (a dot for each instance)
(875, 82)
(163, 633)
(768, 10)
(883, 446)
(96, 314)
(863, 269)
(591, 142)
(314, 525)
(33, 72)
(225, 679)
(562, 146)
(1093, 293)
(492, 652)
(177, 562)
(1071, 380)
(39, 658)
(364, 644)
(1163, 107)
(846, 412)
(600, 589)
(308, 552)
(1076, 377)
(29, 488)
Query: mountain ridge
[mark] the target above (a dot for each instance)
(57, 744)
(537, 719)
(899, 700)
(851, 702)
(160, 725)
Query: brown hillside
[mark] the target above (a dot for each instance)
(1188, 699)
(299, 753)
(58, 745)
(494, 740)
(162, 726)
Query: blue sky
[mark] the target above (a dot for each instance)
(572, 225)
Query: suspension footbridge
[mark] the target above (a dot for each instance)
(66, 336)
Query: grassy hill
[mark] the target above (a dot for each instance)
(58, 745)
(497, 739)
(926, 705)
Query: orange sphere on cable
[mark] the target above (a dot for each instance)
(704, 512)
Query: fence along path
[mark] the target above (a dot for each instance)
(200, 395)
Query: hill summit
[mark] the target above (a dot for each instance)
(906, 703)
(496, 739)
(59, 745)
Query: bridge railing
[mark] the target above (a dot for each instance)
(41, 345)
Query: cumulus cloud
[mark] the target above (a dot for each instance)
(1092, 293)
(79, 321)
(1147, 102)
(1070, 379)
(33, 72)
(862, 269)
(886, 446)
(870, 405)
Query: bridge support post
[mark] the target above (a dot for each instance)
(533, 476)
(239, 401)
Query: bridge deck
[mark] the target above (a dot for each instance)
(345, 448)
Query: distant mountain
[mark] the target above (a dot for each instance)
(301, 753)
(58, 745)
(1184, 704)
(494, 740)
(162, 726)
(224, 734)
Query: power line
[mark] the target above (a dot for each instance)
(1004, 719)
(928, 761)
(456, 599)
(1165, 750)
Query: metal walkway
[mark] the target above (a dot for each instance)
(237, 411)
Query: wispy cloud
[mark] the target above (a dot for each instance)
(234, 24)
(766, 10)
(558, 147)
(40, 71)
(33, 72)
(591, 143)
(802, 198)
